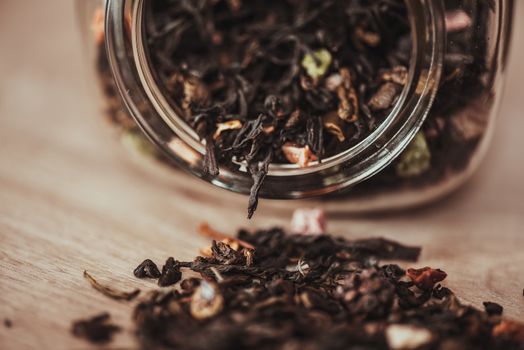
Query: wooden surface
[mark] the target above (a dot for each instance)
(72, 199)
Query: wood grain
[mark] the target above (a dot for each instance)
(71, 198)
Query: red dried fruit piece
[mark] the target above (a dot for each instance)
(509, 329)
(426, 277)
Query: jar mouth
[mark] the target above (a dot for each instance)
(144, 97)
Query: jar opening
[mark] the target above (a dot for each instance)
(136, 77)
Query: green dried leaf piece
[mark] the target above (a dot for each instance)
(136, 141)
(416, 158)
(318, 65)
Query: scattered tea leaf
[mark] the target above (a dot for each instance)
(110, 291)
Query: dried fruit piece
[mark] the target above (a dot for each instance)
(334, 125)
(406, 337)
(109, 291)
(385, 97)
(415, 159)
(207, 231)
(317, 63)
(367, 37)
(426, 277)
(229, 125)
(147, 269)
(510, 330)
(348, 101)
(206, 301)
(397, 75)
(171, 273)
(300, 155)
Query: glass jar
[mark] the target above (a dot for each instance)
(427, 146)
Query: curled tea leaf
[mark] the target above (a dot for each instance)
(317, 63)
(147, 269)
(170, 273)
(109, 291)
(416, 158)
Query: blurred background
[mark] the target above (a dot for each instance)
(71, 197)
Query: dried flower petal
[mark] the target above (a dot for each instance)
(457, 20)
(333, 82)
(317, 63)
(308, 221)
(206, 302)
(300, 155)
(416, 158)
(426, 277)
(405, 337)
(229, 125)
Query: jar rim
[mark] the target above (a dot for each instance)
(145, 100)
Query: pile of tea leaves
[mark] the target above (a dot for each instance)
(279, 81)
(271, 290)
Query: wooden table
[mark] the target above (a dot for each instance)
(72, 199)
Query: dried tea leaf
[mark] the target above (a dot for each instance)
(147, 269)
(171, 273)
(109, 291)
(97, 329)
(415, 159)
(317, 63)
(194, 92)
(493, 308)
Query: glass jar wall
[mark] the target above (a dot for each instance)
(435, 139)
